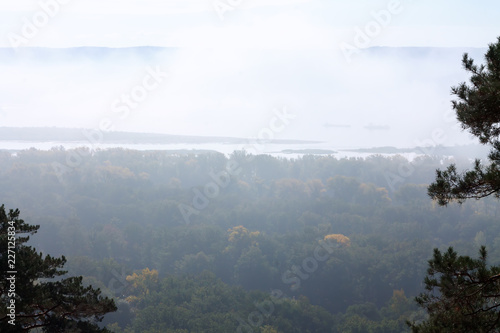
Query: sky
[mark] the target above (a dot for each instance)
(232, 65)
(304, 24)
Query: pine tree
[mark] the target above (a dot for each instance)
(462, 294)
(478, 110)
(35, 285)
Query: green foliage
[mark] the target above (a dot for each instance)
(60, 305)
(478, 105)
(478, 110)
(467, 292)
(462, 294)
(117, 212)
(111, 224)
(205, 304)
(368, 317)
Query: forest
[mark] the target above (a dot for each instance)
(244, 243)
(125, 241)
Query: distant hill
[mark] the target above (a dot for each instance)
(47, 55)
(54, 134)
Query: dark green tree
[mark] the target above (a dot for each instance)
(478, 110)
(462, 294)
(42, 297)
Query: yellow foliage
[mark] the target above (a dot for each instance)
(339, 238)
(399, 294)
(384, 194)
(243, 185)
(269, 329)
(315, 187)
(141, 283)
(366, 188)
(237, 233)
(254, 234)
(113, 171)
(146, 274)
(240, 237)
(132, 299)
(398, 300)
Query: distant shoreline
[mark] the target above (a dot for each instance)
(71, 135)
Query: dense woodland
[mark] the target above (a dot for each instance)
(243, 243)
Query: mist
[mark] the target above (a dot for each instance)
(267, 166)
(381, 97)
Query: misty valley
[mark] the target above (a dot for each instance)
(267, 166)
(245, 243)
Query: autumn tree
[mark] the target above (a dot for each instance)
(142, 284)
(339, 238)
(41, 296)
